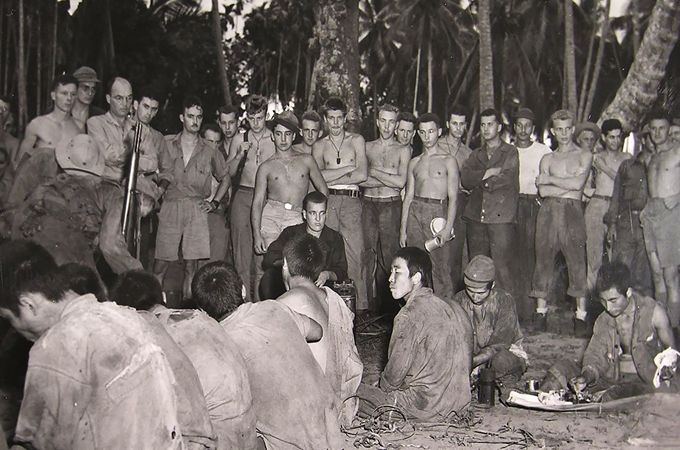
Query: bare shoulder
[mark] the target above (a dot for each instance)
(354, 138)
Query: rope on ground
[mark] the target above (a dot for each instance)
(388, 424)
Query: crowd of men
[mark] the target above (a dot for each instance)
(265, 220)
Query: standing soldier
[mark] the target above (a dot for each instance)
(453, 143)
(387, 166)
(186, 167)
(605, 165)
(341, 156)
(491, 174)
(431, 193)
(312, 126)
(248, 151)
(560, 225)
(530, 154)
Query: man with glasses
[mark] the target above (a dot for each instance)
(87, 87)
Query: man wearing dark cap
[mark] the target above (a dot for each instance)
(491, 310)
(87, 87)
(530, 154)
(283, 181)
(605, 166)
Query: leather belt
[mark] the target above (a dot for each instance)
(439, 201)
(602, 197)
(348, 192)
(246, 189)
(382, 199)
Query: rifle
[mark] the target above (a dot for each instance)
(131, 219)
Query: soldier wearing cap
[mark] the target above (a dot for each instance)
(491, 310)
(281, 184)
(530, 154)
(78, 208)
(83, 108)
(586, 135)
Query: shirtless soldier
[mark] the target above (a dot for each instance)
(605, 166)
(387, 166)
(453, 143)
(661, 216)
(312, 127)
(35, 158)
(45, 132)
(560, 225)
(431, 191)
(283, 180)
(341, 156)
(246, 153)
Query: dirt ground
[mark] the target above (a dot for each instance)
(653, 425)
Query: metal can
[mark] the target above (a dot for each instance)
(347, 292)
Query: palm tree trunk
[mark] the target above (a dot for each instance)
(38, 67)
(486, 89)
(219, 51)
(336, 29)
(604, 34)
(108, 31)
(297, 71)
(21, 69)
(415, 88)
(639, 90)
(430, 75)
(278, 71)
(586, 75)
(569, 58)
(55, 27)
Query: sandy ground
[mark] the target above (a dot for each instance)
(510, 427)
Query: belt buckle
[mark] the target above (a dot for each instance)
(288, 206)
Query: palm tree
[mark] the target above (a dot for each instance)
(486, 81)
(639, 90)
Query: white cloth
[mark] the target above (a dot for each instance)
(667, 358)
(529, 166)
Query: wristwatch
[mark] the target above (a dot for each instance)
(215, 204)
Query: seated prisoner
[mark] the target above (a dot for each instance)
(492, 312)
(219, 365)
(294, 404)
(336, 352)
(626, 338)
(430, 353)
(96, 371)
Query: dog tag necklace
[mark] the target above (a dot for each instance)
(338, 160)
